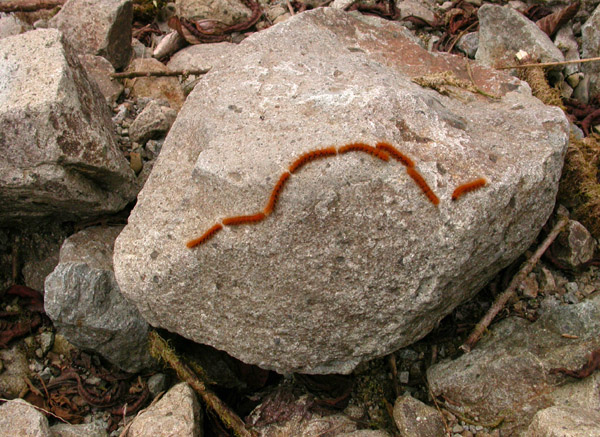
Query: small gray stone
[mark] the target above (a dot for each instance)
(582, 90)
(16, 369)
(574, 246)
(590, 48)
(84, 301)
(154, 121)
(19, 418)
(414, 418)
(567, 44)
(468, 44)
(504, 31)
(98, 28)
(93, 429)
(157, 383)
(177, 413)
(46, 341)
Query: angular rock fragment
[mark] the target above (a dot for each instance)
(100, 28)
(176, 413)
(590, 47)
(58, 154)
(84, 302)
(503, 32)
(354, 261)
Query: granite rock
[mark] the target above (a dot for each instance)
(100, 28)
(355, 262)
(58, 154)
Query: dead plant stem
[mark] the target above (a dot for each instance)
(503, 298)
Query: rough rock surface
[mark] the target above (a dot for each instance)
(15, 370)
(507, 374)
(590, 47)
(11, 25)
(155, 87)
(355, 262)
(414, 418)
(19, 418)
(100, 28)
(83, 300)
(154, 121)
(99, 69)
(81, 430)
(565, 422)
(504, 31)
(177, 413)
(574, 246)
(58, 154)
(226, 11)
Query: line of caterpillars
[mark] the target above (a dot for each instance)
(382, 150)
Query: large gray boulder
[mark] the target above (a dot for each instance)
(83, 300)
(355, 261)
(58, 153)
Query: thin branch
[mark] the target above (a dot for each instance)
(133, 74)
(29, 5)
(503, 298)
(551, 64)
(160, 349)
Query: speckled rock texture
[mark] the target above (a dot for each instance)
(84, 301)
(177, 413)
(504, 31)
(508, 373)
(355, 262)
(58, 154)
(565, 422)
(100, 28)
(20, 418)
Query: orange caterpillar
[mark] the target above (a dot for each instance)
(311, 156)
(395, 153)
(275, 193)
(416, 176)
(243, 219)
(469, 186)
(205, 237)
(362, 147)
(383, 150)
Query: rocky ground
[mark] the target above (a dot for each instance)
(531, 374)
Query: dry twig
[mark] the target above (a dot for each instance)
(551, 64)
(160, 349)
(501, 300)
(133, 74)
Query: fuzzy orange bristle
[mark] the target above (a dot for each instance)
(469, 186)
(205, 237)
(362, 147)
(311, 156)
(416, 176)
(395, 153)
(276, 192)
(243, 219)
